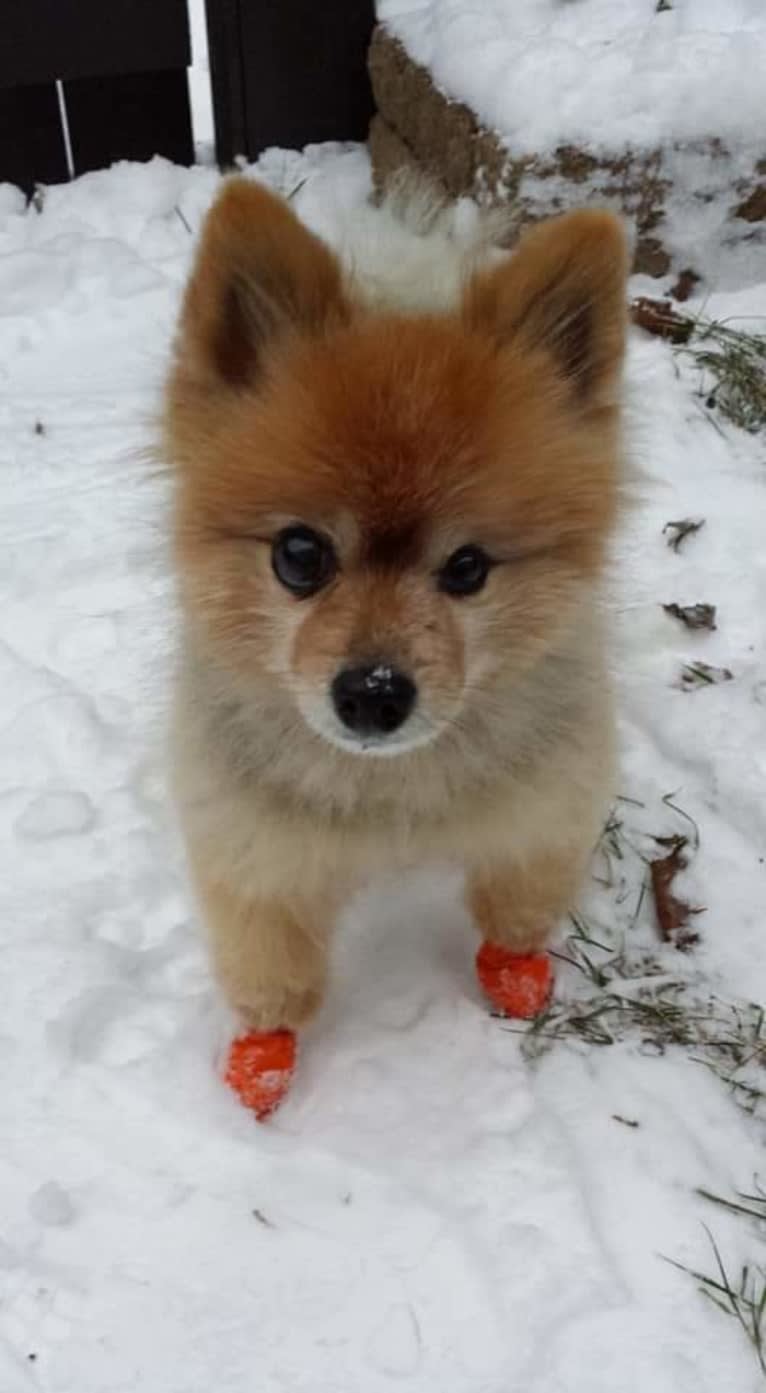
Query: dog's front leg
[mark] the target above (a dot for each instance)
(270, 958)
(516, 906)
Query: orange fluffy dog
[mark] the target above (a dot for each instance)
(390, 529)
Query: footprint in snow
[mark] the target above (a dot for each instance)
(395, 1347)
(58, 814)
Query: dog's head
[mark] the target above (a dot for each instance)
(383, 520)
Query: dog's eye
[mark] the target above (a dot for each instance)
(302, 560)
(465, 571)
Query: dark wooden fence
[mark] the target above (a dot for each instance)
(121, 66)
(284, 72)
(288, 72)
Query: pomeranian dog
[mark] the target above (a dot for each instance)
(392, 509)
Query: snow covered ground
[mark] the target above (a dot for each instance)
(600, 74)
(429, 1211)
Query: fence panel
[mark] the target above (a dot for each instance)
(288, 72)
(122, 65)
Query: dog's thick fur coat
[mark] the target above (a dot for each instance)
(304, 393)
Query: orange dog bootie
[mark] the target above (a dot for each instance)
(260, 1068)
(518, 984)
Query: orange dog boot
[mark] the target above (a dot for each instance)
(260, 1068)
(517, 984)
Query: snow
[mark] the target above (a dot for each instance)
(428, 1210)
(600, 74)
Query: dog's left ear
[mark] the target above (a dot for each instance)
(562, 291)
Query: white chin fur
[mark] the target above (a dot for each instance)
(413, 735)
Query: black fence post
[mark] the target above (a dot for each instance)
(288, 73)
(226, 77)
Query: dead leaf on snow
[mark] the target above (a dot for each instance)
(673, 914)
(696, 675)
(693, 616)
(677, 532)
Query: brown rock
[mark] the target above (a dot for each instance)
(687, 282)
(753, 208)
(442, 135)
(420, 127)
(651, 258)
(390, 155)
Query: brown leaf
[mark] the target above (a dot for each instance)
(659, 318)
(695, 675)
(677, 532)
(673, 914)
(693, 616)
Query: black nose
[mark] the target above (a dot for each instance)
(374, 700)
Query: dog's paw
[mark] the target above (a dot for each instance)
(260, 1067)
(517, 984)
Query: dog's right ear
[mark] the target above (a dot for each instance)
(259, 275)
